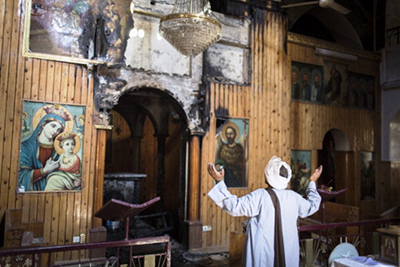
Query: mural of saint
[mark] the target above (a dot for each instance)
(316, 88)
(305, 85)
(334, 86)
(230, 154)
(295, 88)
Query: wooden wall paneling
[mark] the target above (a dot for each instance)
(88, 210)
(40, 80)
(13, 200)
(260, 129)
(35, 79)
(33, 204)
(48, 217)
(148, 162)
(265, 101)
(76, 218)
(282, 98)
(58, 68)
(2, 23)
(385, 185)
(281, 103)
(87, 89)
(44, 93)
(78, 85)
(50, 84)
(227, 95)
(72, 83)
(273, 67)
(353, 182)
(25, 209)
(222, 99)
(395, 182)
(61, 220)
(256, 73)
(343, 179)
(79, 214)
(97, 189)
(357, 178)
(216, 100)
(27, 78)
(40, 208)
(69, 223)
(210, 209)
(236, 101)
(294, 125)
(64, 82)
(232, 100)
(55, 215)
(5, 29)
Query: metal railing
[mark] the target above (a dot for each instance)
(157, 250)
(327, 235)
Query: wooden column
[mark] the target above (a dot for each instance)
(194, 225)
(101, 138)
(160, 170)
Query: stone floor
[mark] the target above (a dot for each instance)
(182, 258)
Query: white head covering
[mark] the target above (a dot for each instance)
(272, 173)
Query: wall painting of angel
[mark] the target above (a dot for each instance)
(231, 150)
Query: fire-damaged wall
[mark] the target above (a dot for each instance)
(151, 62)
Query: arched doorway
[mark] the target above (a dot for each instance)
(337, 160)
(149, 138)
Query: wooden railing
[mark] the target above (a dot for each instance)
(154, 251)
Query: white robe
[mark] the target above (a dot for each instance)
(259, 245)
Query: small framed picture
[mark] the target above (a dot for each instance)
(388, 249)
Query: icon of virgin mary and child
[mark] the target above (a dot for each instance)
(48, 159)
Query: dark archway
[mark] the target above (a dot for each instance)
(149, 137)
(335, 146)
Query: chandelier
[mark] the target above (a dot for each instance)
(189, 28)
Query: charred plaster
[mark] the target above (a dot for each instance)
(151, 62)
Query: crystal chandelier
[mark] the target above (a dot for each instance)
(189, 28)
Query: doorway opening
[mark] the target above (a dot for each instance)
(148, 141)
(336, 159)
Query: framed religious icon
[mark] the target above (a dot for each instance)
(389, 244)
(51, 147)
(231, 150)
(77, 31)
(300, 161)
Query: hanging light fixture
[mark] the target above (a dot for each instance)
(189, 28)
